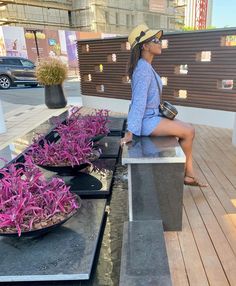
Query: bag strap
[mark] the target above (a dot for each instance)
(158, 85)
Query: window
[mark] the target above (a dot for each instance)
(181, 93)
(126, 79)
(204, 56)
(132, 20)
(87, 77)
(145, 3)
(229, 41)
(181, 69)
(27, 64)
(85, 48)
(127, 20)
(111, 58)
(100, 88)
(107, 17)
(226, 84)
(164, 80)
(164, 44)
(98, 68)
(125, 46)
(11, 62)
(117, 18)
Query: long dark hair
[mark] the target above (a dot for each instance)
(135, 55)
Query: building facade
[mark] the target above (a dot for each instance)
(105, 16)
(198, 14)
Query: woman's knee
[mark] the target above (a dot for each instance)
(190, 131)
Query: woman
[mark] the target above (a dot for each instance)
(143, 117)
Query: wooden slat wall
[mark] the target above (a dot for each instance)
(201, 82)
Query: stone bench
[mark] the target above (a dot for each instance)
(144, 259)
(155, 180)
(155, 191)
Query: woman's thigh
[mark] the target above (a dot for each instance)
(175, 127)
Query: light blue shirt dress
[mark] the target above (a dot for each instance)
(144, 109)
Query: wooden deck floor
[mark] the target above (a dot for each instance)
(204, 253)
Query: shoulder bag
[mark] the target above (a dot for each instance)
(166, 109)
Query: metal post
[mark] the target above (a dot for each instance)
(34, 32)
(36, 43)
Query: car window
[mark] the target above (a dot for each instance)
(10, 62)
(26, 63)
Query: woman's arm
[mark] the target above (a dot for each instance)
(140, 84)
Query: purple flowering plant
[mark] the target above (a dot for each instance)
(91, 125)
(67, 151)
(75, 145)
(29, 202)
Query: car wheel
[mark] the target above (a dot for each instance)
(5, 82)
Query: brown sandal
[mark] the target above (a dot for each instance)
(194, 182)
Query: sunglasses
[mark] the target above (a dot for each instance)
(156, 41)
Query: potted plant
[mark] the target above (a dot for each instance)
(74, 144)
(51, 73)
(94, 125)
(30, 203)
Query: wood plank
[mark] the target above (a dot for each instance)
(176, 263)
(226, 222)
(217, 185)
(210, 260)
(216, 167)
(194, 268)
(222, 141)
(219, 240)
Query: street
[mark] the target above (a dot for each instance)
(21, 95)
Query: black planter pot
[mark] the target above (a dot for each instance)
(54, 96)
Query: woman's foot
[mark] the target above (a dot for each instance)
(192, 181)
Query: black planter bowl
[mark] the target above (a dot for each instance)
(68, 169)
(65, 169)
(97, 137)
(44, 230)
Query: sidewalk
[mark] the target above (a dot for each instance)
(25, 118)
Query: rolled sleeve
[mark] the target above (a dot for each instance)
(140, 84)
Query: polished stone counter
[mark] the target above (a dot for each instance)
(92, 181)
(66, 253)
(144, 258)
(109, 146)
(148, 150)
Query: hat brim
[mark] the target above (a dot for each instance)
(152, 33)
(149, 34)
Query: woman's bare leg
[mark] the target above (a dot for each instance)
(185, 132)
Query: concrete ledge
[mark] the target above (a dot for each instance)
(144, 258)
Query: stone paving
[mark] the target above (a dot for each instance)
(25, 118)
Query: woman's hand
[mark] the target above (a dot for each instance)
(127, 138)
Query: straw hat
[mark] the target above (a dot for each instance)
(141, 33)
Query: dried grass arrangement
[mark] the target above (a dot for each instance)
(51, 71)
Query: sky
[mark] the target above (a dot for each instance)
(224, 13)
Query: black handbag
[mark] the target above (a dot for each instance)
(166, 109)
